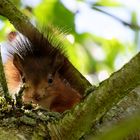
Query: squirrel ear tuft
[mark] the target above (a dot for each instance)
(58, 62)
(17, 61)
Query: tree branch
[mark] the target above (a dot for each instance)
(82, 117)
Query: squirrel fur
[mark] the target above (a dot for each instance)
(37, 64)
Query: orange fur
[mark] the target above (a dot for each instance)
(12, 77)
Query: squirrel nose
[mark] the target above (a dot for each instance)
(37, 97)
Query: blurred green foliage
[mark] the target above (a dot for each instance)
(84, 45)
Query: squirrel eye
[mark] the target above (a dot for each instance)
(50, 79)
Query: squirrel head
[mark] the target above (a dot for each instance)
(39, 70)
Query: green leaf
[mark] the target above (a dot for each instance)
(109, 3)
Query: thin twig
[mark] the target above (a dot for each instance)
(131, 25)
(3, 79)
(19, 95)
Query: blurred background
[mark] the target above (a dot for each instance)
(101, 35)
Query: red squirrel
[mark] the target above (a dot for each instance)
(36, 64)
